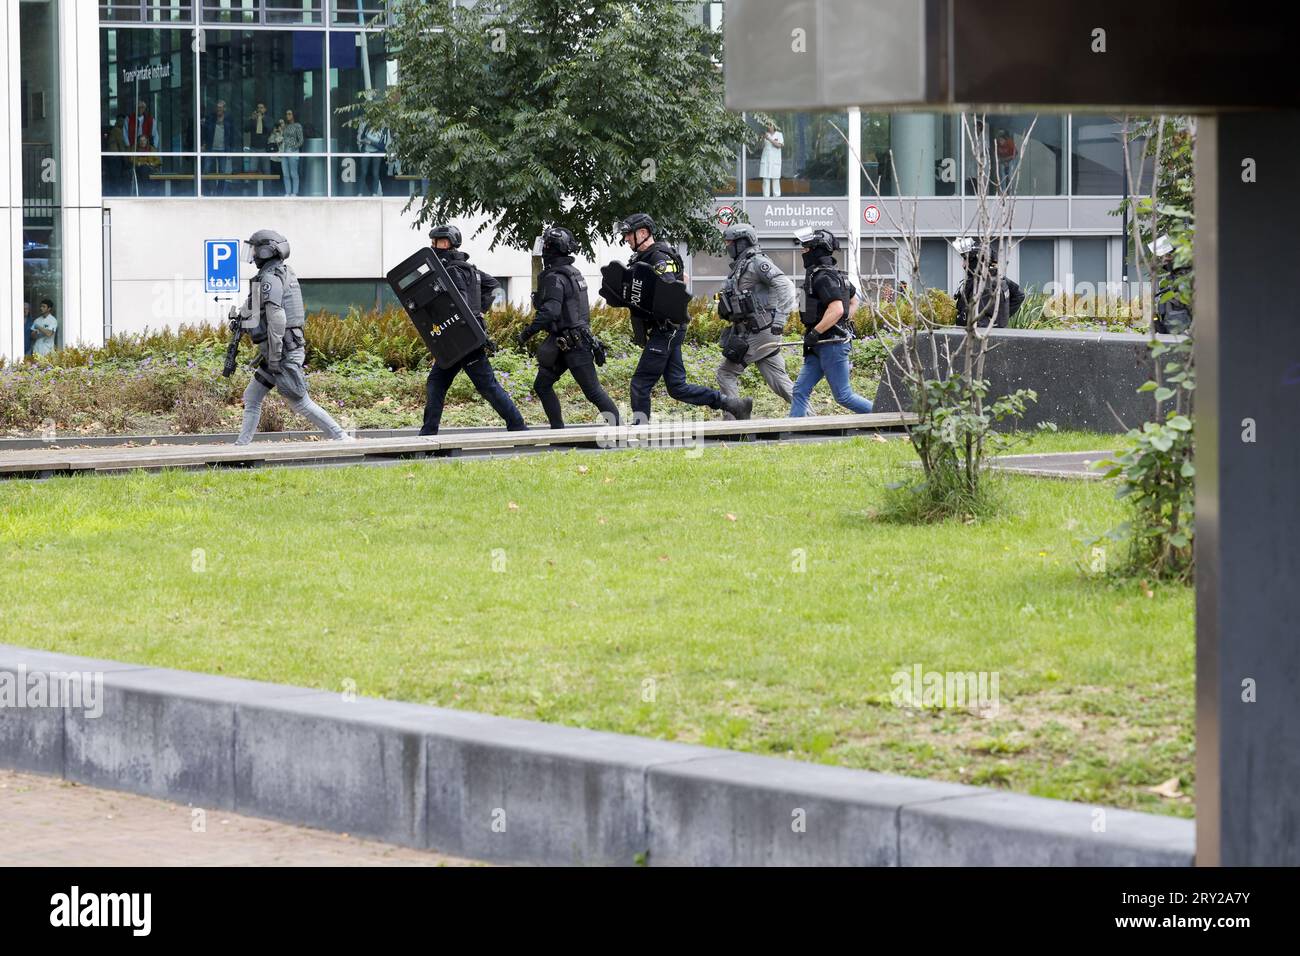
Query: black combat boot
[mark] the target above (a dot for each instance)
(741, 408)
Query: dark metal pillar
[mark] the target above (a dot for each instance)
(1247, 325)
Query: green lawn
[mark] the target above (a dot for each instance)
(558, 587)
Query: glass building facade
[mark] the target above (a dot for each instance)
(241, 98)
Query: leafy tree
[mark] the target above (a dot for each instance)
(565, 112)
(1157, 472)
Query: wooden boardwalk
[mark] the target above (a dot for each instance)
(70, 459)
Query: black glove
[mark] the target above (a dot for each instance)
(811, 339)
(491, 347)
(524, 336)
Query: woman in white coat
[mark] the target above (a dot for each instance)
(769, 164)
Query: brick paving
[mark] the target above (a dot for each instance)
(47, 821)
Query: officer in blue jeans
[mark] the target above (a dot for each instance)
(828, 319)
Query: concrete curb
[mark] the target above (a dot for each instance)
(500, 789)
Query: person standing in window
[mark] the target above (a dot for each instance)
(117, 169)
(218, 137)
(291, 146)
(142, 135)
(258, 129)
(44, 329)
(373, 141)
(274, 144)
(141, 124)
(769, 164)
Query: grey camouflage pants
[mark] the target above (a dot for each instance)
(291, 383)
(770, 362)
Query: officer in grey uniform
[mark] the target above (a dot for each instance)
(273, 316)
(756, 299)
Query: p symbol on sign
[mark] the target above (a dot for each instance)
(221, 265)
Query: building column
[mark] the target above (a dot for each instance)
(912, 141)
(1247, 329)
(852, 256)
(82, 212)
(11, 188)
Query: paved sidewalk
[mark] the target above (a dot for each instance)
(1065, 464)
(47, 821)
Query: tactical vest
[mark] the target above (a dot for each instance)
(1001, 315)
(575, 309)
(739, 269)
(465, 275)
(670, 252)
(295, 313)
(816, 308)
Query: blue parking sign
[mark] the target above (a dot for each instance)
(221, 265)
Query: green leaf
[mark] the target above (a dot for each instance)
(1163, 393)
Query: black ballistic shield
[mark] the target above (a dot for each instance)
(614, 289)
(645, 292)
(436, 308)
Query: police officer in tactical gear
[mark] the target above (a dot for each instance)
(661, 356)
(564, 312)
(828, 322)
(999, 297)
(273, 316)
(1173, 313)
(756, 299)
(476, 289)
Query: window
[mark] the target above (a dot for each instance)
(356, 12)
(262, 11)
(338, 296)
(1098, 157)
(360, 68)
(271, 78)
(877, 260)
(1090, 261)
(1037, 263)
(802, 154)
(933, 265)
(244, 112)
(1022, 153)
(146, 108)
(925, 158)
(147, 11)
(703, 264)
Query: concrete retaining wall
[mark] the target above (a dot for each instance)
(507, 790)
(1083, 380)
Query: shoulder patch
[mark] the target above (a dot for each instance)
(765, 268)
(266, 288)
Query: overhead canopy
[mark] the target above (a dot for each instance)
(1103, 55)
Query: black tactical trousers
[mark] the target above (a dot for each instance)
(662, 358)
(479, 370)
(580, 362)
